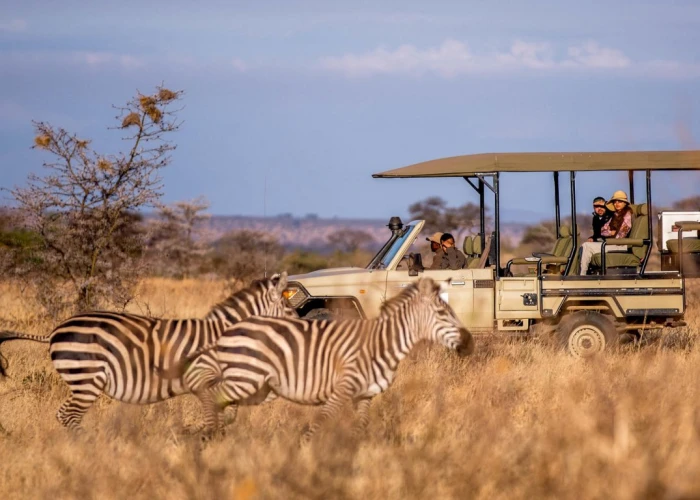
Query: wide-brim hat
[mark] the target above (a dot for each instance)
(617, 196)
(435, 238)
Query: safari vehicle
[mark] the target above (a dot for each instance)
(588, 312)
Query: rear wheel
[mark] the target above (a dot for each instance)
(584, 334)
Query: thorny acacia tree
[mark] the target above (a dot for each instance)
(83, 207)
(439, 217)
(178, 236)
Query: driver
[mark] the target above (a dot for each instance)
(452, 258)
(437, 250)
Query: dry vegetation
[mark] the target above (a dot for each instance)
(517, 419)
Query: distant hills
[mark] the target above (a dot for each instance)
(312, 232)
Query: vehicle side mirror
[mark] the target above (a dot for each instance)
(415, 264)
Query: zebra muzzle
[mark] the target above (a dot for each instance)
(467, 344)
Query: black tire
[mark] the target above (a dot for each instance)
(584, 334)
(320, 313)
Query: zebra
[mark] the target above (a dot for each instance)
(328, 362)
(116, 353)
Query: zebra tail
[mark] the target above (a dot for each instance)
(7, 335)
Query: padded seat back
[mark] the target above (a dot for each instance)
(640, 228)
(473, 260)
(562, 247)
(468, 246)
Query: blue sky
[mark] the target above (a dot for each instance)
(305, 100)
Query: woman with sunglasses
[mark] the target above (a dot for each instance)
(618, 226)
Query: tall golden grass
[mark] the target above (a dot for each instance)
(518, 419)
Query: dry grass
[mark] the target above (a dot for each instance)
(517, 419)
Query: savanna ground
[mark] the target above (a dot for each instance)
(516, 419)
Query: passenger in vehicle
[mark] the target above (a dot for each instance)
(436, 248)
(618, 226)
(601, 215)
(452, 257)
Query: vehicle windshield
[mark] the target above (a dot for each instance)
(393, 249)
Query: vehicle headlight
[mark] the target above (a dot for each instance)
(294, 295)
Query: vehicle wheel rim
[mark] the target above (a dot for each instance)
(585, 341)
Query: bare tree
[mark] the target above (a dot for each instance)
(81, 208)
(178, 236)
(689, 204)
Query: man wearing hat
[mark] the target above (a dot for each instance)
(437, 250)
(601, 215)
(617, 227)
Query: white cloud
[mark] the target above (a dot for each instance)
(454, 58)
(125, 61)
(13, 26)
(592, 55)
(447, 60)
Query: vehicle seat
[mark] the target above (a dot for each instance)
(473, 262)
(468, 248)
(634, 255)
(558, 257)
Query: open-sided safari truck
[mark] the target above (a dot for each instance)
(589, 312)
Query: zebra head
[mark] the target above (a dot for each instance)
(274, 303)
(440, 324)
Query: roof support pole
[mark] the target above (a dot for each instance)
(482, 217)
(649, 212)
(480, 188)
(556, 203)
(574, 231)
(630, 175)
(497, 216)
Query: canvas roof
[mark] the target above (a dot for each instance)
(459, 166)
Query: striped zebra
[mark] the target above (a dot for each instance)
(328, 362)
(116, 353)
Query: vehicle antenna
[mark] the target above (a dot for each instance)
(264, 222)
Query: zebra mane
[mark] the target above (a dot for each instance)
(260, 286)
(396, 304)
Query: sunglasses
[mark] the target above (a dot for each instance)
(598, 206)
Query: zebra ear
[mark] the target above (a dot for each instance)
(280, 286)
(426, 286)
(445, 285)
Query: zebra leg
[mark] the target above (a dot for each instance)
(341, 397)
(72, 411)
(211, 412)
(230, 414)
(362, 409)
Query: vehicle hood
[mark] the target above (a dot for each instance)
(334, 271)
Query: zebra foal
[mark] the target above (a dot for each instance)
(116, 353)
(327, 362)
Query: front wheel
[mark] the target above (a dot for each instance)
(584, 334)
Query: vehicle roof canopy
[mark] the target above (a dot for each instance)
(468, 165)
